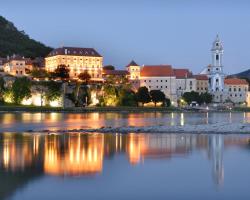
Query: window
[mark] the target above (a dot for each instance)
(235, 95)
(217, 57)
(235, 89)
(166, 86)
(149, 81)
(161, 80)
(166, 80)
(157, 86)
(191, 83)
(145, 81)
(239, 89)
(156, 80)
(161, 86)
(230, 89)
(217, 44)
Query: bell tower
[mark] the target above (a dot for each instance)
(216, 75)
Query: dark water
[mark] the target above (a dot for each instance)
(132, 166)
(20, 122)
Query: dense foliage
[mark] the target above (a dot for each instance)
(53, 90)
(109, 67)
(84, 76)
(157, 96)
(2, 89)
(62, 72)
(20, 90)
(199, 98)
(143, 95)
(13, 41)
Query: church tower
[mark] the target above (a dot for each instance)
(216, 75)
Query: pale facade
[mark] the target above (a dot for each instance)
(185, 82)
(160, 78)
(134, 71)
(201, 83)
(237, 90)
(16, 66)
(78, 60)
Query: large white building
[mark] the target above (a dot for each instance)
(160, 77)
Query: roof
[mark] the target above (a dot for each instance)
(75, 51)
(182, 73)
(132, 63)
(157, 71)
(201, 77)
(235, 81)
(115, 72)
(16, 57)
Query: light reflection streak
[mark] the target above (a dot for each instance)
(83, 154)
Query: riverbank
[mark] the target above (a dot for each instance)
(12, 108)
(37, 109)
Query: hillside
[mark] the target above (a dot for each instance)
(244, 74)
(13, 41)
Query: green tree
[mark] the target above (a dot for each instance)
(206, 98)
(109, 67)
(191, 96)
(62, 72)
(2, 89)
(157, 96)
(84, 76)
(21, 89)
(39, 73)
(126, 97)
(110, 93)
(53, 90)
(142, 95)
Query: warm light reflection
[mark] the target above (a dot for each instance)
(80, 157)
(83, 154)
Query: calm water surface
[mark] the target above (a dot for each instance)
(113, 166)
(53, 121)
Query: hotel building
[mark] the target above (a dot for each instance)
(78, 60)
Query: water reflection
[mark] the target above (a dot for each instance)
(83, 154)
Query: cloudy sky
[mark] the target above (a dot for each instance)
(177, 32)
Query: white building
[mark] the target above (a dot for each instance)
(237, 90)
(160, 77)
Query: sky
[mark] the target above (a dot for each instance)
(176, 32)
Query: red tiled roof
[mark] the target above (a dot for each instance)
(157, 71)
(75, 51)
(115, 72)
(182, 73)
(201, 77)
(235, 81)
